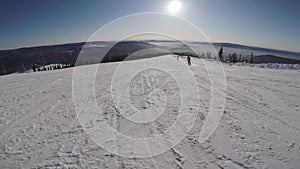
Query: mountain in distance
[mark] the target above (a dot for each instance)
(274, 59)
(231, 48)
(23, 59)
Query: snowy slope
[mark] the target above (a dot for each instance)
(259, 129)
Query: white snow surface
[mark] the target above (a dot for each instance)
(259, 128)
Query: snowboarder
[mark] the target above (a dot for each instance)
(188, 60)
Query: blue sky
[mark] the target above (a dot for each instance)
(264, 23)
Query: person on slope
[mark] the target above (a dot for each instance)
(188, 60)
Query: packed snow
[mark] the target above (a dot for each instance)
(259, 128)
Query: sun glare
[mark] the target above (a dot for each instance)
(174, 6)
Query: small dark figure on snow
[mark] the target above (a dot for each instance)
(33, 68)
(188, 60)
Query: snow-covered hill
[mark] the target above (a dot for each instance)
(259, 128)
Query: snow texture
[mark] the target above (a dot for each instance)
(259, 128)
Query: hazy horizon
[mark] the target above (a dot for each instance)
(145, 40)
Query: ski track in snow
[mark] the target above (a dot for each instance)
(259, 129)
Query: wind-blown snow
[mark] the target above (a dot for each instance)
(259, 129)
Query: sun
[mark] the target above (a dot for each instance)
(174, 6)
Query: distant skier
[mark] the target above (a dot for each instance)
(188, 60)
(33, 68)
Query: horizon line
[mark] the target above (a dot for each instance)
(141, 40)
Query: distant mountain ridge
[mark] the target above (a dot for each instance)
(239, 46)
(23, 59)
(257, 48)
(275, 59)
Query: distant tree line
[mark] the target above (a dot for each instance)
(234, 57)
(229, 58)
(36, 68)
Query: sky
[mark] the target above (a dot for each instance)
(264, 23)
